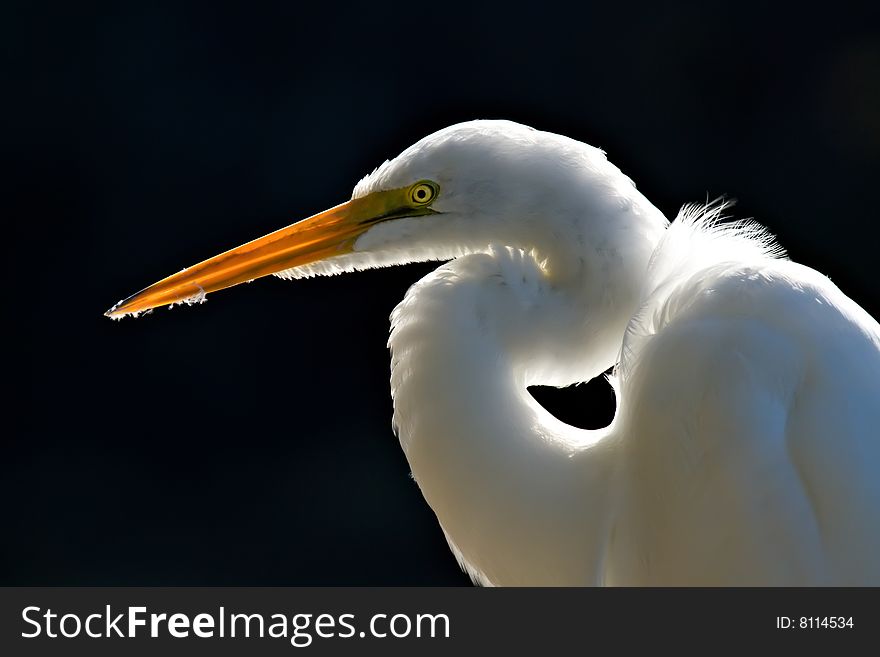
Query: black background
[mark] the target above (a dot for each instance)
(248, 441)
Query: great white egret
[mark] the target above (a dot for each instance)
(746, 444)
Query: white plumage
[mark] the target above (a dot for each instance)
(745, 449)
(745, 446)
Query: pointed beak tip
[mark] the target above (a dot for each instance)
(116, 312)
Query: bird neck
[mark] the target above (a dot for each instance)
(522, 497)
(567, 318)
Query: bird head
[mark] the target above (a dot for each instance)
(454, 192)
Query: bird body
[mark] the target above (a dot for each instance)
(748, 440)
(745, 445)
(743, 451)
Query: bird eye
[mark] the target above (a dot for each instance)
(423, 193)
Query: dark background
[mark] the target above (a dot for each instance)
(248, 441)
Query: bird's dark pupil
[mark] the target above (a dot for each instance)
(421, 193)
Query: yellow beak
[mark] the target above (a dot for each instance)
(329, 233)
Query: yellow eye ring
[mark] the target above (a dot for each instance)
(423, 193)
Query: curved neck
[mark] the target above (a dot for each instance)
(523, 498)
